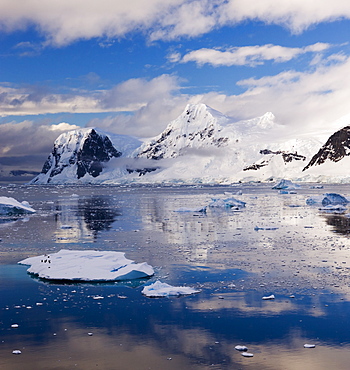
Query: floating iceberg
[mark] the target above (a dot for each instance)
(11, 206)
(227, 203)
(159, 289)
(88, 265)
(327, 199)
(285, 185)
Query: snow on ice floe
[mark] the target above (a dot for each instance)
(268, 297)
(227, 203)
(10, 206)
(159, 289)
(309, 345)
(286, 185)
(327, 199)
(241, 348)
(87, 265)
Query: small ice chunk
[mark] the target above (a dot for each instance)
(14, 326)
(241, 348)
(247, 354)
(257, 228)
(268, 297)
(193, 210)
(309, 345)
(90, 334)
(87, 265)
(159, 289)
(286, 185)
(16, 352)
(9, 206)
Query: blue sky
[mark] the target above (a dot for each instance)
(131, 67)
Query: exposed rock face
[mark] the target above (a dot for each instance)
(335, 149)
(85, 150)
(287, 158)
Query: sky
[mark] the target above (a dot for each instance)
(130, 67)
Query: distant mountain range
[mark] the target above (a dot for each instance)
(200, 146)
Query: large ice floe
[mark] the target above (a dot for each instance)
(327, 199)
(87, 265)
(159, 289)
(11, 206)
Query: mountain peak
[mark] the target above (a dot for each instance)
(80, 152)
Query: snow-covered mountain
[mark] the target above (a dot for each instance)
(83, 154)
(200, 146)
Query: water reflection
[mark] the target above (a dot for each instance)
(83, 218)
(340, 223)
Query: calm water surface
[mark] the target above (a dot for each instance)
(276, 245)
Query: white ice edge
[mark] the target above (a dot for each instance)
(11, 205)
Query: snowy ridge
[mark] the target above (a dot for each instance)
(200, 146)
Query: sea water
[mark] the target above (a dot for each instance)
(277, 245)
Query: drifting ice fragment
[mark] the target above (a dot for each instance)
(241, 348)
(257, 228)
(10, 206)
(327, 199)
(16, 352)
(334, 208)
(193, 210)
(159, 289)
(269, 297)
(247, 354)
(286, 185)
(227, 203)
(309, 345)
(87, 265)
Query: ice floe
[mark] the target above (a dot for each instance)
(247, 354)
(159, 289)
(309, 345)
(241, 348)
(227, 203)
(286, 185)
(193, 210)
(87, 265)
(327, 199)
(268, 297)
(10, 206)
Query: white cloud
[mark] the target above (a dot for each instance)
(297, 15)
(130, 95)
(249, 55)
(62, 22)
(304, 102)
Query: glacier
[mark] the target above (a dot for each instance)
(201, 146)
